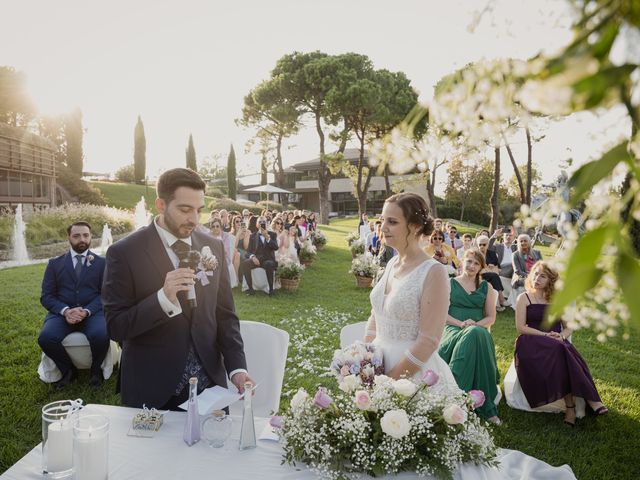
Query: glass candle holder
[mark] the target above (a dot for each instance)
(216, 428)
(91, 448)
(57, 438)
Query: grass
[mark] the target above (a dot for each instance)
(124, 195)
(599, 448)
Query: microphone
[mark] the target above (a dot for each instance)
(191, 259)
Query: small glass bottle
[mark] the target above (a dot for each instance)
(192, 425)
(248, 429)
(216, 428)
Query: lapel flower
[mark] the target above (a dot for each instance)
(90, 258)
(208, 263)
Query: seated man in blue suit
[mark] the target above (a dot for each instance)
(71, 294)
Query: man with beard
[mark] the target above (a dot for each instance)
(71, 294)
(165, 338)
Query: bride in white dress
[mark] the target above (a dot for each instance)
(409, 308)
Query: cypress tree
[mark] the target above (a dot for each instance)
(231, 173)
(139, 152)
(191, 155)
(73, 133)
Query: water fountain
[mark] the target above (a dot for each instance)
(20, 255)
(141, 214)
(106, 240)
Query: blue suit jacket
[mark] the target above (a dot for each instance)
(61, 288)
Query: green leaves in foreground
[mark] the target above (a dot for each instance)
(591, 173)
(582, 274)
(629, 280)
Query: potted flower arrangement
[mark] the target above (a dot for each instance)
(383, 426)
(352, 237)
(289, 273)
(357, 248)
(319, 239)
(307, 253)
(365, 269)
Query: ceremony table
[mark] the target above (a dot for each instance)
(166, 456)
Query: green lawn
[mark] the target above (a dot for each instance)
(599, 448)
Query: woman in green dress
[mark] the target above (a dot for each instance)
(467, 345)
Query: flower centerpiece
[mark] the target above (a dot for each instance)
(319, 239)
(352, 237)
(289, 273)
(384, 426)
(357, 248)
(365, 269)
(356, 364)
(307, 253)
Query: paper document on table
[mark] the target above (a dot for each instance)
(214, 398)
(269, 433)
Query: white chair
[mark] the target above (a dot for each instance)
(351, 333)
(77, 346)
(516, 399)
(259, 280)
(265, 348)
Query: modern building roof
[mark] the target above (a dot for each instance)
(350, 154)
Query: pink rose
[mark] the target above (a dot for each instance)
(430, 377)
(454, 414)
(362, 399)
(276, 421)
(478, 398)
(344, 371)
(322, 399)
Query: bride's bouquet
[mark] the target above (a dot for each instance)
(356, 364)
(384, 427)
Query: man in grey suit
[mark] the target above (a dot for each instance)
(165, 338)
(504, 251)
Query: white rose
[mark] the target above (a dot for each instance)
(349, 383)
(395, 423)
(454, 414)
(404, 387)
(299, 398)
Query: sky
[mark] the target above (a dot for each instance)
(185, 67)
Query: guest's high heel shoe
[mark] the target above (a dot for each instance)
(568, 422)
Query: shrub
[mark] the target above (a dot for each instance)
(215, 192)
(83, 191)
(318, 238)
(364, 266)
(229, 204)
(357, 247)
(50, 226)
(289, 269)
(126, 174)
(270, 205)
(352, 237)
(307, 252)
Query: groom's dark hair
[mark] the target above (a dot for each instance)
(175, 178)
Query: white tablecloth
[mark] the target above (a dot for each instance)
(166, 456)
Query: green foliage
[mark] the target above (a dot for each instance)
(289, 270)
(74, 134)
(139, 152)
(126, 195)
(83, 191)
(126, 174)
(190, 154)
(16, 106)
(215, 192)
(231, 174)
(231, 205)
(270, 205)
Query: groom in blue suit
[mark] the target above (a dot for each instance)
(71, 294)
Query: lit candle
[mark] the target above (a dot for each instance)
(91, 452)
(59, 446)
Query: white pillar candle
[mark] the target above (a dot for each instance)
(59, 446)
(90, 455)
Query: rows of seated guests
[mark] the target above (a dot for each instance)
(259, 241)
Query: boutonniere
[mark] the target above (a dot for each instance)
(208, 263)
(90, 258)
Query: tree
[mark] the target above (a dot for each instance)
(52, 127)
(16, 107)
(139, 152)
(468, 185)
(315, 82)
(190, 154)
(126, 174)
(231, 173)
(74, 133)
(495, 193)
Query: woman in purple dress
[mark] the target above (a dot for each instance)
(548, 365)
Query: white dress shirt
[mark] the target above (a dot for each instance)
(507, 255)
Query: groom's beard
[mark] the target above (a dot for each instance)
(178, 230)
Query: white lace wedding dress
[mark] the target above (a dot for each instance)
(397, 317)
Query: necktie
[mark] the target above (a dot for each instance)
(181, 249)
(78, 269)
(453, 244)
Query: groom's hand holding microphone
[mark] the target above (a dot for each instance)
(178, 280)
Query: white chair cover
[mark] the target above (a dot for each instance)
(259, 279)
(351, 333)
(516, 399)
(265, 348)
(77, 346)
